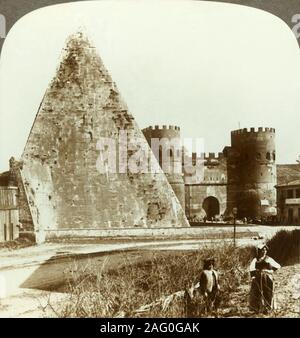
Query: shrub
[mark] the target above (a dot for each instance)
(284, 247)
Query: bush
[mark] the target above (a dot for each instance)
(284, 247)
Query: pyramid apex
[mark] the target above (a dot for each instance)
(79, 38)
(80, 62)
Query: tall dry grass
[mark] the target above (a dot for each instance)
(121, 291)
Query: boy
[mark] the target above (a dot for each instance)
(208, 285)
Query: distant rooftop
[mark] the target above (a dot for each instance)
(288, 174)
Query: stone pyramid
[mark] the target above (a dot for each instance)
(64, 189)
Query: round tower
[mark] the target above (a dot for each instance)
(254, 171)
(169, 155)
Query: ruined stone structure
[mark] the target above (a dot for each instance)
(243, 176)
(206, 196)
(58, 173)
(252, 171)
(172, 155)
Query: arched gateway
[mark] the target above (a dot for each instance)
(211, 206)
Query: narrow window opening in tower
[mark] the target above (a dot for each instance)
(268, 156)
(274, 156)
(160, 155)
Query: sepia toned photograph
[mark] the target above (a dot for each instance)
(149, 161)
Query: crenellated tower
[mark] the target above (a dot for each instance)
(169, 155)
(252, 171)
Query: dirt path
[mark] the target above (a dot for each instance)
(286, 295)
(287, 286)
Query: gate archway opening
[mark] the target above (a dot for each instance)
(211, 206)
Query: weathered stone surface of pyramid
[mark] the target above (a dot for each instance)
(63, 186)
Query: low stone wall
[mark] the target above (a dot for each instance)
(203, 232)
(140, 233)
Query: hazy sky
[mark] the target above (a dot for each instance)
(206, 67)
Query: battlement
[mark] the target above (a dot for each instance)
(162, 128)
(253, 130)
(208, 156)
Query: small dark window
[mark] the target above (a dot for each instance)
(268, 156)
(290, 193)
(297, 193)
(160, 155)
(274, 156)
